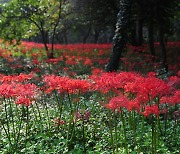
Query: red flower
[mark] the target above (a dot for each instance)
(172, 100)
(13, 87)
(104, 83)
(23, 101)
(134, 105)
(151, 74)
(96, 71)
(118, 102)
(88, 62)
(173, 82)
(147, 87)
(65, 84)
(149, 110)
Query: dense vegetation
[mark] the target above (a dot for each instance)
(118, 95)
(69, 105)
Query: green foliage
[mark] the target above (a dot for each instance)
(25, 18)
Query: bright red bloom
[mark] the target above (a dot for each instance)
(23, 100)
(178, 73)
(96, 71)
(147, 88)
(65, 84)
(104, 83)
(134, 105)
(125, 78)
(16, 78)
(14, 87)
(71, 61)
(149, 110)
(172, 100)
(54, 60)
(88, 62)
(35, 62)
(151, 74)
(7, 90)
(173, 82)
(118, 102)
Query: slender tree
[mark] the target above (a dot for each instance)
(37, 16)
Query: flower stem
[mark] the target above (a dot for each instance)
(84, 139)
(111, 132)
(124, 129)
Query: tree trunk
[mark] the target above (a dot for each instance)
(59, 38)
(161, 29)
(44, 39)
(65, 37)
(133, 36)
(151, 36)
(139, 30)
(121, 37)
(87, 35)
(163, 48)
(96, 35)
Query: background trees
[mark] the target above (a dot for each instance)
(80, 21)
(99, 16)
(154, 14)
(91, 21)
(32, 17)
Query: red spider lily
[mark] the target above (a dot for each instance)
(65, 69)
(36, 70)
(54, 60)
(101, 52)
(173, 82)
(96, 71)
(7, 90)
(118, 102)
(147, 88)
(155, 87)
(151, 74)
(88, 62)
(104, 83)
(35, 62)
(134, 105)
(172, 100)
(16, 78)
(139, 92)
(150, 110)
(77, 85)
(178, 73)
(65, 84)
(136, 49)
(125, 78)
(24, 77)
(70, 47)
(55, 83)
(71, 61)
(22, 93)
(23, 100)
(103, 61)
